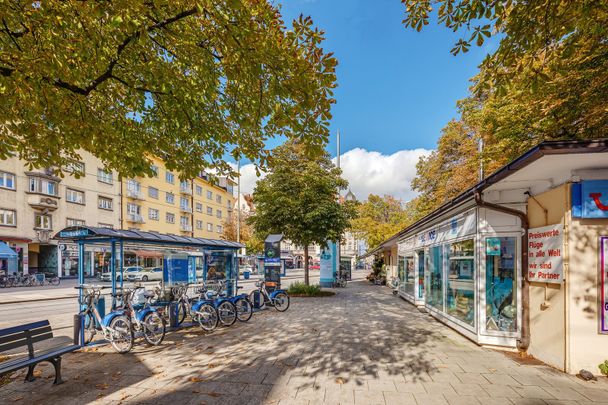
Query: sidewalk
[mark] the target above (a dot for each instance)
(361, 346)
(31, 294)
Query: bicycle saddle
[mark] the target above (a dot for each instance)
(149, 294)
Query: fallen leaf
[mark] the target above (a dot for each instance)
(340, 380)
(196, 392)
(101, 386)
(196, 379)
(37, 373)
(17, 399)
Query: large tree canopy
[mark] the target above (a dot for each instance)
(298, 198)
(189, 81)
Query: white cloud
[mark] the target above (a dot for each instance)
(367, 172)
(370, 172)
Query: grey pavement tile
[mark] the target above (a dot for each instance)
(369, 397)
(593, 394)
(467, 378)
(469, 389)
(501, 379)
(528, 401)
(430, 399)
(529, 391)
(500, 391)
(399, 398)
(438, 388)
(381, 385)
(339, 395)
(464, 399)
(313, 394)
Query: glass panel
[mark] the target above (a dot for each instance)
(434, 285)
(409, 280)
(421, 274)
(461, 281)
(501, 285)
(401, 270)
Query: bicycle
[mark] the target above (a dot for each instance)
(115, 326)
(226, 310)
(200, 311)
(278, 298)
(145, 319)
(244, 309)
(340, 281)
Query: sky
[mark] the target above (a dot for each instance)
(397, 88)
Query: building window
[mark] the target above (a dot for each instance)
(169, 177)
(218, 199)
(184, 221)
(199, 224)
(75, 222)
(43, 221)
(43, 186)
(460, 294)
(199, 207)
(219, 228)
(107, 226)
(184, 185)
(133, 209)
(199, 190)
(76, 168)
(209, 211)
(153, 214)
(153, 192)
(8, 217)
(209, 195)
(74, 196)
(218, 213)
(154, 171)
(170, 198)
(7, 180)
(104, 203)
(209, 227)
(104, 177)
(170, 218)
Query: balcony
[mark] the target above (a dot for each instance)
(48, 202)
(135, 194)
(135, 218)
(185, 190)
(185, 208)
(185, 227)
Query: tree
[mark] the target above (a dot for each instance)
(378, 218)
(254, 244)
(547, 78)
(298, 198)
(188, 81)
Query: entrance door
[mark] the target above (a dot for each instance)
(501, 284)
(421, 263)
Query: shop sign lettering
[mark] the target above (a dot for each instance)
(590, 199)
(545, 256)
(604, 284)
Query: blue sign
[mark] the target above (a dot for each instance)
(590, 199)
(328, 265)
(175, 269)
(78, 233)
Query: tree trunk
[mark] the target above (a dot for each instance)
(306, 277)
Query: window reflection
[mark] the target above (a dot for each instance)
(460, 297)
(501, 286)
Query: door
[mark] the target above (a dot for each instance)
(501, 276)
(421, 264)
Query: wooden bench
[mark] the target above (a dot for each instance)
(30, 335)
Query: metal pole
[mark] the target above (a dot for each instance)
(113, 265)
(122, 275)
(238, 203)
(338, 250)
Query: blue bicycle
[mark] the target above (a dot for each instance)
(115, 326)
(200, 311)
(226, 310)
(277, 298)
(244, 308)
(144, 318)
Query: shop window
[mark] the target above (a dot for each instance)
(407, 276)
(434, 284)
(460, 294)
(8, 217)
(501, 285)
(7, 180)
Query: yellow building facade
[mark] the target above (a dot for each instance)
(165, 204)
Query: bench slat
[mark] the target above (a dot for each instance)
(21, 362)
(11, 338)
(21, 328)
(24, 342)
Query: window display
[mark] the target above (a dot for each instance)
(501, 285)
(434, 282)
(460, 294)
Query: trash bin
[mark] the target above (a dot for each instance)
(173, 315)
(246, 275)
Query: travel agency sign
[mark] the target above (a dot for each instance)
(590, 199)
(545, 254)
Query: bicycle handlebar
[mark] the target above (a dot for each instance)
(91, 287)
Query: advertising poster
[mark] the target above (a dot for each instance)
(328, 264)
(604, 284)
(545, 256)
(493, 246)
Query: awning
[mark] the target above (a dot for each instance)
(6, 252)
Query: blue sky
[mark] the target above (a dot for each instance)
(397, 88)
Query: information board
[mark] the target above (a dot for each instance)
(604, 284)
(545, 254)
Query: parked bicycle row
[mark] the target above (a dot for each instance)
(28, 280)
(139, 312)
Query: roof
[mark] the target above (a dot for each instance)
(6, 252)
(91, 232)
(547, 148)
(274, 237)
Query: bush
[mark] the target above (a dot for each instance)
(604, 368)
(302, 290)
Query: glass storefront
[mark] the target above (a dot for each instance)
(434, 281)
(501, 284)
(460, 297)
(421, 274)
(410, 275)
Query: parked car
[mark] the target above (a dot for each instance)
(147, 274)
(131, 269)
(315, 266)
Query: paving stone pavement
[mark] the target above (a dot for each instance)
(361, 346)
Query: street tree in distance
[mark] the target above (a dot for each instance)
(191, 82)
(298, 198)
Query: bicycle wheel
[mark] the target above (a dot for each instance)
(88, 328)
(182, 311)
(208, 317)
(227, 313)
(154, 328)
(54, 281)
(121, 336)
(3, 283)
(244, 309)
(281, 302)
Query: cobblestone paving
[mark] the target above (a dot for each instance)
(362, 346)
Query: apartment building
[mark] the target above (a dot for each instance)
(165, 204)
(34, 204)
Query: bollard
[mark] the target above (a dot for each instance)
(101, 307)
(257, 299)
(78, 320)
(173, 315)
